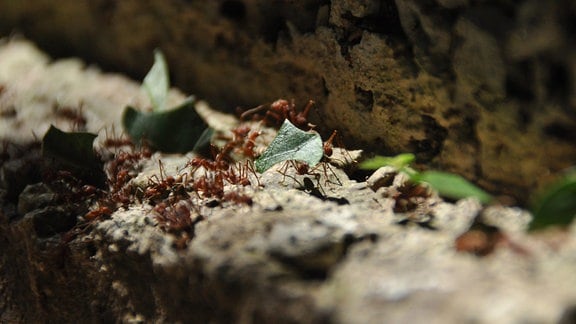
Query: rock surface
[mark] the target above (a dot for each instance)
(293, 256)
(470, 87)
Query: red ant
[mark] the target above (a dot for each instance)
(123, 141)
(177, 219)
(237, 197)
(220, 162)
(409, 196)
(236, 177)
(166, 185)
(212, 186)
(245, 139)
(174, 217)
(304, 169)
(118, 142)
(199, 162)
(75, 116)
(327, 146)
(222, 158)
(250, 143)
(98, 213)
(280, 110)
(119, 168)
(240, 133)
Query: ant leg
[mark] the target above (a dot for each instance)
(250, 167)
(325, 168)
(283, 171)
(162, 171)
(287, 165)
(252, 111)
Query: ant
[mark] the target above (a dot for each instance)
(238, 174)
(165, 185)
(118, 142)
(98, 213)
(174, 217)
(199, 162)
(177, 219)
(237, 197)
(113, 143)
(75, 116)
(220, 162)
(249, 144)
(280, 110)
(245, 139)
(212, 186)
(304, 169)
(327, 147)
(120, 169)
(409, 196)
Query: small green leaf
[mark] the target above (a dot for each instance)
(557, 206)
(452, 186)
(291, 143)
(72, 149)
(157, 82)
(398, 162)
(172, 131)
(73, 152)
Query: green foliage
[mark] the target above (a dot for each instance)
(399, 161)
(447, 184)
(73, 149)
(173, 131)
(176, 130)
(556, 206)
(291, 143)
(157, 82)
(451, 185)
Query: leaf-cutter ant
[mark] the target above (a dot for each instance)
(280, 110)
(98, 213)
(161, 188)
(75, 116)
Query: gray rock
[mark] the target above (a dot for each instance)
(311, 248)
(471, 87)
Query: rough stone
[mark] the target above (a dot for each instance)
(469, 87)
(294, 255)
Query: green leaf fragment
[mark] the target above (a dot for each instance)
(172, 131)
(291, 143)
(73, 151)
(398, 162)
(452, 186)
(557, 206)
(157, 82)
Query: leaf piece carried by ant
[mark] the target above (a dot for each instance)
(175, 131)
(291, 143)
